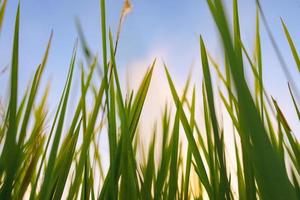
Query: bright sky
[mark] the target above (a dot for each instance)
(167, 29)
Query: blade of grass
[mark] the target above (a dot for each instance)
(45, 192)
(189, 153)
(2, 12)
(174, 159)
(224, 184)
(291, 43)
(9, 160)
(191, 141)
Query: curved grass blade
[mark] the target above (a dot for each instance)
(291, 43)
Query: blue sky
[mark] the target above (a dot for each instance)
(158, 28)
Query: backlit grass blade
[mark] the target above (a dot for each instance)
(112, 121)
(240, 177)
(45, 192)
(189, 153)
(224, 185)
(291, 43)
(139, 100)
(191, 141)
(258, 56)
(291, 138)
(294, 102)
(174, 159)
(162, 171)
(236, 29)
(33, 92)
(33, 149)
(2, 12)
(63, 163)
(146, 188)
(86, 142)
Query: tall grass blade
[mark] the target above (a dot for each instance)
(291, 43)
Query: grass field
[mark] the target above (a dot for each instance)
(44, 157)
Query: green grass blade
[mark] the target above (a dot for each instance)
(191, 141)
(189, 153)
(291, 43)
(174, 159)
(259, 81)
(45, 192)
(9, 160)
(146, 188)
(294, 102)
(224, 184)
(33, 92)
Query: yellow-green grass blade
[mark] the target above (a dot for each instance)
(86, 142)
(291, 43)
(191, 141)
(45, 188)
(2, 12)
(30, 170)
(224, 184)
(21, 107)
(139, 100)
(174, 158)
(83, 103)
(33, 148)
(63, 164)
(294, 102)
(291, 138)
(146, 188)
(236, 29)
(211, 158)
(240, 177)
(33, 92)
(112, 121)
(103, 32)
(35, 182)
(258, 56)
(112, 132)
(189, 153)
(165, 156)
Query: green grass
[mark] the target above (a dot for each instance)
(64, 161)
